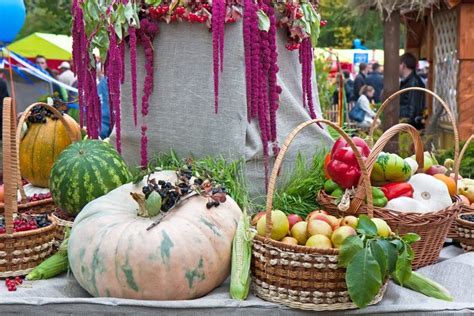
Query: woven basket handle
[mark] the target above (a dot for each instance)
(24, 116)
(281, 156)
(437, 97)
(457, 163)
(10, 164)
(382, 142)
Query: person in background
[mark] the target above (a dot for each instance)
(41, 62)
(58, 91)
(103, 91)
(362, 112)
(360, 80)
(348, 88)
(66, 76)
(3, 94)
(412, 103)
(375, 79)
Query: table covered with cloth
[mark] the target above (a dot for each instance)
(63, 295)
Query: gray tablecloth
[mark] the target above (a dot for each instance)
(63, 295)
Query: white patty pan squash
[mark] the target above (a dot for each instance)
(186, 256)
(429, 195)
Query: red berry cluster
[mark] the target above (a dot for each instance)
(323, 23)
(194, 12)
(12, 283)
(26, 223)
(39, 197)
(292, 45)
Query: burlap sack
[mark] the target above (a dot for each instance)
(182, 117)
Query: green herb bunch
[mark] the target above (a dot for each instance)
(370, 260)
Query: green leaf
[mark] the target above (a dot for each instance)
(92, 9)
(363, 278)
(403, 269)
(153, 2)
(398, 244)
(390, 252)
(410, 238)
(380, 255)
(349, 248)
(366, 226)
(263, 21)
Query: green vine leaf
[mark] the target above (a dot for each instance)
(363, 278)
(403, 269)
(411, 238)
(366, 226)
(263, 21)
(349, 248)
(381, 256)
(391, 253)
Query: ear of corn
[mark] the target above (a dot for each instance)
(241, 258)
(54, 265)
(419, 283)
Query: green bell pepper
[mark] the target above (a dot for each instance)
(330, 186)
(378, 197)
(337, 193)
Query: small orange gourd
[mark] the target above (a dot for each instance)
(42, 144)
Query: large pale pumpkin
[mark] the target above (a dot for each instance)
(186, 256)
(40, 147)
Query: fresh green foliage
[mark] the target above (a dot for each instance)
(370, 260)
(47, 16)
(299, 188)
(100, 14)
(322, 68)
(466, 170)
(311, 20)
(228, 174)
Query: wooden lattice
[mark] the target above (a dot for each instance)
(446, 63)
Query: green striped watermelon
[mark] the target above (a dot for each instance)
(85, 171)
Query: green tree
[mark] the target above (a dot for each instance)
(48, 16)
(345, 25)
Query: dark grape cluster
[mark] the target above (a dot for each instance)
(38, 114)
(172, 193)
(26, 223)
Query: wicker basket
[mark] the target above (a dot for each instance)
(63, 225)
(299, 276)
(465, 232)
(45, 206)
(22, 251)
(432, 227)
(453, 232)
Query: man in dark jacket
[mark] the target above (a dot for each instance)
(3, 94)
(412, 103)
(375, 79)
(360, 80)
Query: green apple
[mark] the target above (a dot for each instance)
(319, 241)
(319, 227)
(341, 234)
(383, 230)
(299, 232)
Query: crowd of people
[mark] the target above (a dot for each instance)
(366, 90)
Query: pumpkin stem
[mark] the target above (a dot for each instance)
(140, 199)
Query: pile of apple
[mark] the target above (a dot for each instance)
(319, 230)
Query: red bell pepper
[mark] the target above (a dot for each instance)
(343, 167)
(359, 142)
(397, 189)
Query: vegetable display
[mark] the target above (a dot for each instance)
(343, 168)
(45, 139)
(397, 189)
(85, 171)
(429, 195)
(390, 168)
(188, 254)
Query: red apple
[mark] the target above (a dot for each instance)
(256, 218)
(436, 169)
(293, 219)
(308, 218)
(464, 200)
